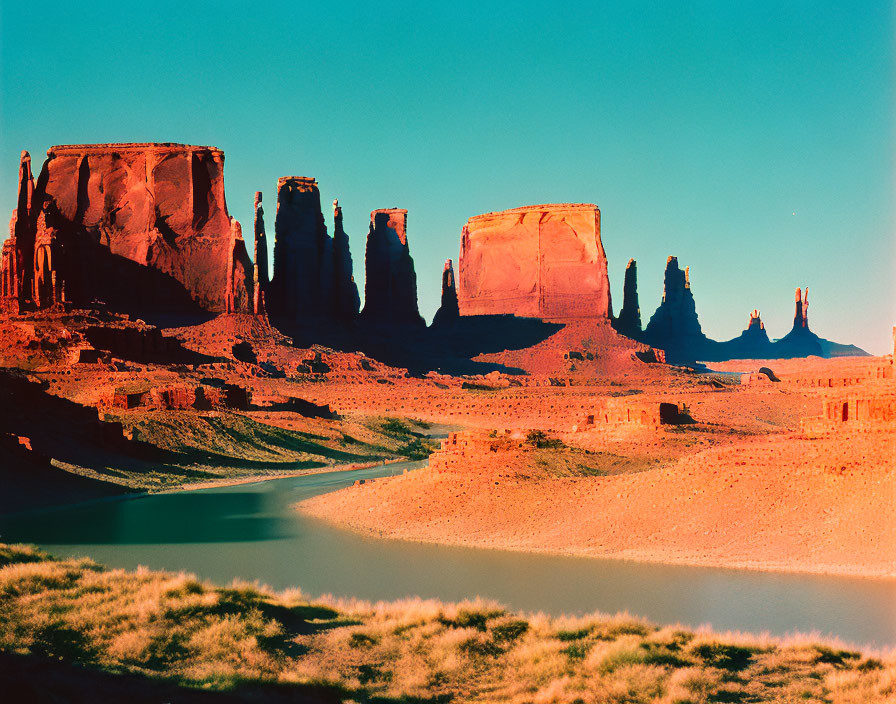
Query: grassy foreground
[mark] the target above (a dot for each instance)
(162, 627)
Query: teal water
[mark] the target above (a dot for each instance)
(250, 532)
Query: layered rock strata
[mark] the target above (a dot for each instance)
(544, 261)
(134, 225)
(390, 287)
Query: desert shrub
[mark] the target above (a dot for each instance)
(469, 618)
(479, 648)
(510, 631)
(576, 651)
(835, 657)
(540, 439)
(191, 633)
(361, 640)
(577, 634)
(723, 656)
(417, 449)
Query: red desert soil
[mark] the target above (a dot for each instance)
(778, 502)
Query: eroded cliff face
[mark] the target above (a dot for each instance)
(390, 287)
(544, 261)
(133, 225)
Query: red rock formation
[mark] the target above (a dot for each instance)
(674, 327)
(801, 312)
(240, 275)
(261, 276)
(755, 321)
(9, 289)
(629, 320)
(346, 301)
(313, 279)
(390, 291)
(449, 311)
(134, 225)
(16, 264)
(542, 261)
(302, 283)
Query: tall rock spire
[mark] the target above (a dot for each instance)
(238, 297)
(674, 327)
(300, 241)
(801, 309)
(19, 260)
(390, 291)
(806, 307)
(449, 311)
(260, 257)
(346, 301)
(629, 320)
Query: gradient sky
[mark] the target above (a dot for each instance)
(754, 140)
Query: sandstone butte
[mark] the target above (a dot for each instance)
(390, 291)
(312, 271)
(144, 225)
(544, 261)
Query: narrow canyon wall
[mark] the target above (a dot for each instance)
(544, 261)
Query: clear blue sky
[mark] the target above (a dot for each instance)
(754, 140)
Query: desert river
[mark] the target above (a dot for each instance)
(251, 532)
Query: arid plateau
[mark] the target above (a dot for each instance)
(148, 345)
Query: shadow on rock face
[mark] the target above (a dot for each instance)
(449, 349)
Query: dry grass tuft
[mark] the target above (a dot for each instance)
(177, 628)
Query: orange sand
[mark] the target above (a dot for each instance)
(778, 502)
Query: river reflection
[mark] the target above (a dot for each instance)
(251, 532)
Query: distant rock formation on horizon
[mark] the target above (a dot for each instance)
(675, 329)
(144, 228)
(540, 261)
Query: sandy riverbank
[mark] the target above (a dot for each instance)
(783, 503)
